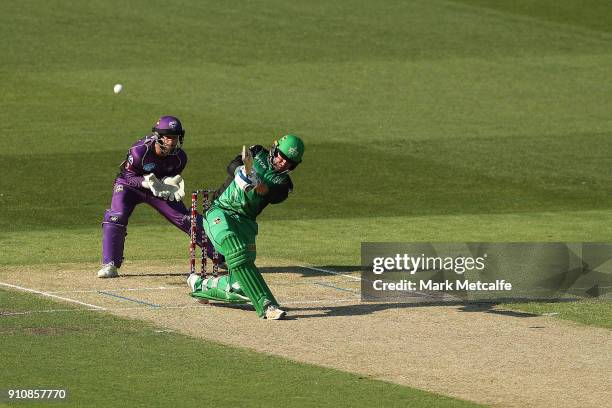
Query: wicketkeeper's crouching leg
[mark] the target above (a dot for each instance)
(243, 282)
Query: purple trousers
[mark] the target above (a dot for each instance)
(125, 199)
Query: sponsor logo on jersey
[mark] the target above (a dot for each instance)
(262, 162)
(277, 179)
(149, 166)
(217, 220)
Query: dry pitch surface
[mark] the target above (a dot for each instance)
(472, 352)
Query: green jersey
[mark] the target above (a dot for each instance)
(250, 204)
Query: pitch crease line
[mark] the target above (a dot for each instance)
(130, 299)
(114, 309)
(326, 285)
(312, 268)
(115, 290)
(354, 278)
(53, 296)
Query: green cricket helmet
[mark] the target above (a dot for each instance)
(290, 147)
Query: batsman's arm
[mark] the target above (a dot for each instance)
(278, 193)
(262, 189)
(234, 164)
(231, 172)
(246, 181)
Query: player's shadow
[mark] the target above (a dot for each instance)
(366, 308)
(296, 313)
(306, 271)
(310, 271)
(155, 274)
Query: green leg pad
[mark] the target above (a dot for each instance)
(220, 296)
(240, 258)
(236, 251)
(254, 287)
(218, 289)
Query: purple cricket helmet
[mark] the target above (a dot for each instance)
(169, 125)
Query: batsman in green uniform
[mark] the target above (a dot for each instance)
(256, 178)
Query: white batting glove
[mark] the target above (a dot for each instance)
(176, 187)
(246, 182)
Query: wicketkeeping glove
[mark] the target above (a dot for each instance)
(157, 187)
(151, 182)
(176, 186)
(244, 181)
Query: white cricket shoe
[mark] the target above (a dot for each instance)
(108, 270)
(191, 280)
(274, 313)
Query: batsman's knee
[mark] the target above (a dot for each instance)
(237, 252)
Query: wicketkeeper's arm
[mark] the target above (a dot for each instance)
(133, 173)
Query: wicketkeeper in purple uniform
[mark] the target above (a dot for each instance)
(151, 173)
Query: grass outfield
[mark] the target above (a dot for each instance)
(443, 120)
(107, 366)
(592, 312)
(427, 109)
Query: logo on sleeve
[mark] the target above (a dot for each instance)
(118, 188)
(130, 159)
(149, 166)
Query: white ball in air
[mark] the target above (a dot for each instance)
(117, 88)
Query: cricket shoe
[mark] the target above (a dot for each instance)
(274, 313)
(108, 270)
(191, 281)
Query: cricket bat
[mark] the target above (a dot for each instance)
(247, 159)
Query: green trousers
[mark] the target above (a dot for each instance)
(234, 237)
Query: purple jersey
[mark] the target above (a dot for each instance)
(141, 159)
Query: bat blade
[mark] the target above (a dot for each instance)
(247, 159)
